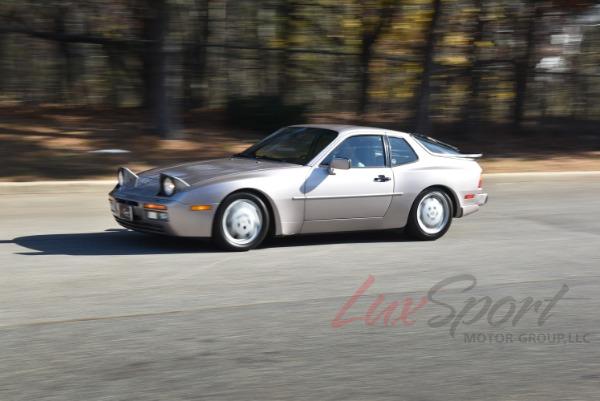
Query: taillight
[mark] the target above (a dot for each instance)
(480, 185)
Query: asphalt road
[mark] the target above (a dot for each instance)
(91, 312)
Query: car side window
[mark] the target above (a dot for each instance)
(401, 151)
(362, 150)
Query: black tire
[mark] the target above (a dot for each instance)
(224, 240)
(416, 230)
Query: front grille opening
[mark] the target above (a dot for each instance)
(142, 226)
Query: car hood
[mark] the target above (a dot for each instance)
(199, 172)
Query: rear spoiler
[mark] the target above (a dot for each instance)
(467, 156)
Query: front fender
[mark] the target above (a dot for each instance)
(282, 190)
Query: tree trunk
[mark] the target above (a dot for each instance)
(3, 66)
(385, 17)
(195, 59)
(471, 113)
(263, 74)
(155, 68)
(67, 69)
(190, 63)
(287, 10)
(116, 67)
(365, 74)
(522, 67)
(423, 121)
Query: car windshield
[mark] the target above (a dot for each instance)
(297, 145)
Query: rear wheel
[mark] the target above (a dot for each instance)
(241, 223)
(430, 216)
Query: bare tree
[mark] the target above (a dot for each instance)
(382, 16)
(523, 62)
(472, 111)
(287, 10)
(157, 55)
(423, 94)
(195, 55)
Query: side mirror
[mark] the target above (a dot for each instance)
(339, 163)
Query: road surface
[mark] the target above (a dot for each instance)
(89, 311)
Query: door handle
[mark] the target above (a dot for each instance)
(381, 178)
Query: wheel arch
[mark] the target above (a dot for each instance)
(274, 220)
(456, 208)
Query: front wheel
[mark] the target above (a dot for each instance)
(241, 223)
(431, 215)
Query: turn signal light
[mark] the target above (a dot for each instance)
(200, 208)
(154, 206)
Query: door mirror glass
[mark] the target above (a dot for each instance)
(340, 163)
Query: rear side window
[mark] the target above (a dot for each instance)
(402, 153)
(435, 146)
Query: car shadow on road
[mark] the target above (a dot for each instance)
(123, 242)
(356, 237)
(111, 242)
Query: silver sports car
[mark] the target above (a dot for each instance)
(306, 179)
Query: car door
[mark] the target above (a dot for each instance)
(363, 191)
(403, 161)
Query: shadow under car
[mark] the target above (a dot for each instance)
(116, 242)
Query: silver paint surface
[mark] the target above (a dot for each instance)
(307, 199)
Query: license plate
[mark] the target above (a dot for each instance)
(125, 211)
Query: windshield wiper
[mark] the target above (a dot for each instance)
(271, 159)
(265, 158)
(243, 156)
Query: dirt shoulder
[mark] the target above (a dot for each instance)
(66, 144)
(587, 161)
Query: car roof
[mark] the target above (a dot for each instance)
(347, 129)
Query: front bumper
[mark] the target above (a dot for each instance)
(473, 205)
(180, 221)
